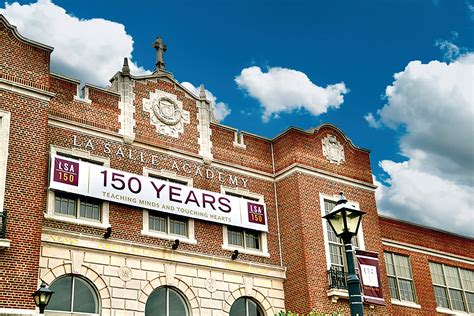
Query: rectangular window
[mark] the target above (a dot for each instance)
(245, 240)
(4, 139)
(336, 247)
(75, 208)
(163, 225)
(453, 287)
(168, 224)
(400, 279)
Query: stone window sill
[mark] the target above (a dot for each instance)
(182, 239)
(336, 294)
(450, 311)
(4, 243)
(246, 251)
(406, 304)
(77, 221)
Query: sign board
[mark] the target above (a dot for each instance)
(87, 179)
(368, 263)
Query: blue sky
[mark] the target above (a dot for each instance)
(318, 61)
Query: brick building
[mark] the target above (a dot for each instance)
(240, 231)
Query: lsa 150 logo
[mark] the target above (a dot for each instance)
(66, 171)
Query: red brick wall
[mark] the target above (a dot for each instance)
(306, 149)
(25, 198)
(102, 113)
(415, 235)
(257, 154)
(127, 221)
(22, 62)
(303, 240)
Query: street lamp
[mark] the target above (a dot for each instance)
(344, 220)
(42, 296)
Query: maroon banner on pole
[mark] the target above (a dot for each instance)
(369, 272)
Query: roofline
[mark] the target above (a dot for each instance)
(14, 29)
(72, 80)
(425, 227)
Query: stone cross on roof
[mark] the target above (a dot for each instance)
(160, 49)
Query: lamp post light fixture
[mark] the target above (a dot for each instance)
(344, 220)
(42, 296)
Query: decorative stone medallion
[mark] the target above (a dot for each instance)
(166, 113)
(211, 285)
(125, 273)
(332, 149)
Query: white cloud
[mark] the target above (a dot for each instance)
(434, 105)
(286, 90)
(373, 122)
(220, 109)
(90, 50)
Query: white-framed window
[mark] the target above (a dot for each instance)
(74, 208)
(4, 139)
(244, 240)
(164, 225)
(334, 247)
(453, 287)
(400, 277)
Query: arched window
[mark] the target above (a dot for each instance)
(73, 294)
(245, 306)
(166, 301)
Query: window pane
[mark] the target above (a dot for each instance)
(452, 277)
(392, 284)
(65, 204)
(467, 277)
(457, 300)
(402, 266)
(336, 252)
(238, 308)
(437, 273)
(178, 226)
(252, 239)
(85, 299)
(61, 299)
(389, 264)
(441, 296)
(90, 208)
(406, 290)
(235, 237)
(177, 305)
(470, 301)
(156, 303)
(157, 221)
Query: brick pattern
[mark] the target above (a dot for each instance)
(21, 62)
(297, 147)
(102, 112)
(257, 154)
(25, 198)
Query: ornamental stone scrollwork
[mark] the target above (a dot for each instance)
(166, 113)
(333, 150)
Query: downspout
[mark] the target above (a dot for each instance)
(276, 206)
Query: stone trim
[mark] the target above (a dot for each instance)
(127, 108)
(4, 139)
(177, 284)
(249, 292)
(48, 275)
(25, 90)
(204, 130)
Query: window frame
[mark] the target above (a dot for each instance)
(167, 293)
(146, 231)
(5, 118)
(360, 233)
(447, 288)
(88, 284)
(399, 301)
(50, 213)
(263, 251)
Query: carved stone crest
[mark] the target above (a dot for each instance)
(332, 149)
(166, 113)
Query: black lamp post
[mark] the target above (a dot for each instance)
(42, 296)
(345, 221)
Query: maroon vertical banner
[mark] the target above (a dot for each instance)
(369, 273)
(256, 213)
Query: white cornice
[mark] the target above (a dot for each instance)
(427, 251)
(25, 90)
